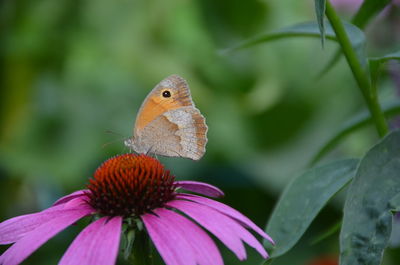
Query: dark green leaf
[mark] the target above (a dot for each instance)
(330, 231)
(320, 12)
(358, 121)
(267, 262)
(395, 203)
(365, 13)
(308, 29)
(302, 200)
(367, 217)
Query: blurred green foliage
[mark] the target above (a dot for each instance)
(73, 70)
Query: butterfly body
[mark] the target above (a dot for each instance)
(168, 123)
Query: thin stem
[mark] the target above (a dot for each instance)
(141, 251)
(359, 73)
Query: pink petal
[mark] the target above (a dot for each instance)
(71, 196)
(200, 187)
(96, 244)
(225, 209)
(205, 250)
(73, 203)
(214, 225)
(229, 231)
(172, 245)
(15, 228)
(41, 234)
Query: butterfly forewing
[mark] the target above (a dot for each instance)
(156, 103)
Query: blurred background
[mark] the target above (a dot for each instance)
(74, 73)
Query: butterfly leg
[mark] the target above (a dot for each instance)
(151, 153)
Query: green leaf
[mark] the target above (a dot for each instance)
(129, 238)
(387, 57)
(365, 13)
(367, 217)
(358, 121)
(320, 6)
(375, 64)
(303, 199)
(368, 10)
(308, 29)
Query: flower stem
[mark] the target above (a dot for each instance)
(141, 251)
(360, 75)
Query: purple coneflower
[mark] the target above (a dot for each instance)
(129, 189)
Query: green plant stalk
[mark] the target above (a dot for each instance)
(359, 74)
(142, 250)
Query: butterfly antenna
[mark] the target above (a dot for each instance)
(112, 132)
(120, 138)
(108, 143)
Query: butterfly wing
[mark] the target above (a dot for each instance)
(169, 124)
(180, 132)
(156, 103)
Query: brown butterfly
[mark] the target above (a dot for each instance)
(168, 123)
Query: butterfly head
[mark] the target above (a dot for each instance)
(129, 142)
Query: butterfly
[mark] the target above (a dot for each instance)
(168, 123)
